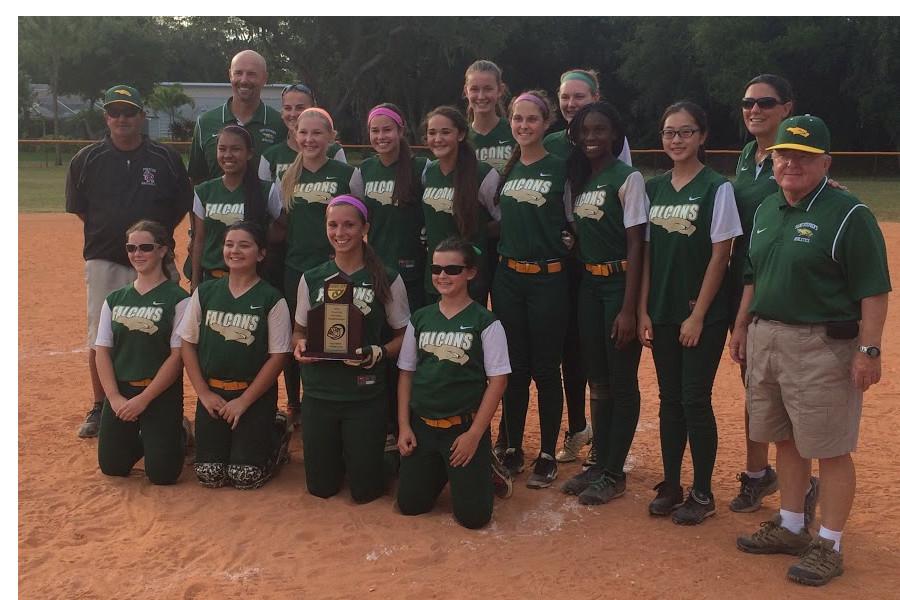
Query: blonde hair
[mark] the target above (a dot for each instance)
(293, 173)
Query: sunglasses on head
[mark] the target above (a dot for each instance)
(132, 248)
(765, 102)
(298, 87)
(449, 269)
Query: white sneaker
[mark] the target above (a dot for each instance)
(573, 443)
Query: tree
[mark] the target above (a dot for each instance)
(169, 98)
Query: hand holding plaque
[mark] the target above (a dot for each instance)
(334, 328)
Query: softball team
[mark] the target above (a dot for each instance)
(454, 365)
(344, 402)
(684, 306)
(139, 363)
(236, 335)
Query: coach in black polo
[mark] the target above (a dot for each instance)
(111, 184)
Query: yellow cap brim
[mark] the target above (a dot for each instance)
(800, 147)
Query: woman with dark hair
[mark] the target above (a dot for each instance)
(610, 210)
(683, 314)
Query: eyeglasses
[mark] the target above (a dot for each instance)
(794, 157)
(764, 103)
(132, 248)
(122, 111)
(298, 87)
(449, 269)
(684, 133)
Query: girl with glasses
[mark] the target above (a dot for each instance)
(454, 365)
(683, 314)
(139, 363)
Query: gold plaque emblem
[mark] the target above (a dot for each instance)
(336, 290)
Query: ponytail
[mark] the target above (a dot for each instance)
(289, 181)
(380, 281)
(407, 187)
(465, 190)
(504, 172)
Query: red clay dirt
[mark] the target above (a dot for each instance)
(84, 535)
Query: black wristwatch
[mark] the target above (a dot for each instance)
(870, 351)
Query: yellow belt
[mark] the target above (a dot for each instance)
(228, 385)
(445, 423)
(218, 273)
(607, 269)
(140, 382)
(532, 268)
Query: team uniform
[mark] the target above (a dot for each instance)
(683, 227)
(140, 331)
(218, 208)
(558, 143)
(530, 292)
(234, 338)
(276, 159)
(437, 204)
(344, 406)
(450, 360)
(612, 201)
(495, 147)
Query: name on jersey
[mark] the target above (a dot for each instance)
(380, 191)
(496, 156)
(676, 219)
(267, 136)
(587, 205)
(440, 199)
(805, 232)
(234, 327)
(138, 318)
(530, 191)
(447, 345)
(363, 297)
(225, 213)
(319, 192)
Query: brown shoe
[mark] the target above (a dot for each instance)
(772, 538)
(819, 564)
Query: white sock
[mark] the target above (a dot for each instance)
(755, 474)
(828, 534)
(792, 521)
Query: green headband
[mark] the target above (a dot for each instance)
(581, 77)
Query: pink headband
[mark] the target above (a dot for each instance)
(352, 201)
(384, 111)
(320, 111)
(535, 99)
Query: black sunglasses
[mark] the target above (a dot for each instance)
(765, 102)
(132, 248)
(119, 111)
(449, 269)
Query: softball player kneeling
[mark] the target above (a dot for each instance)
(453, 369)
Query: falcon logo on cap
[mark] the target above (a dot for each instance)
(798, 131)
(123, 92)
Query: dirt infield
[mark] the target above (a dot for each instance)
(83, 535)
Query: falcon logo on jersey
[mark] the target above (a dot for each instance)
(234, 327)
(149, 176)
(380, 191)
(676, 219)
(228, 214)
(496, 156)
(805, 232)
(440, 199)
(527, 190)
(587, 205)
(138, 318)
(320, 192)
(447, 345)
(798, 131)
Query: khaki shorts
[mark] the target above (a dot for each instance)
(102, 278)
(799, 386)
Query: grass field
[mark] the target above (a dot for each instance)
(42, 189)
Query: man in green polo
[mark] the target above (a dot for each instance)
(809, 330)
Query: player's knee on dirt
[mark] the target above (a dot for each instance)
(211, 475)
(414, 504)
(165, 474)
(114, 468)
(473, 519)
(247, 477)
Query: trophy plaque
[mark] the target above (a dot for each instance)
(334, 328)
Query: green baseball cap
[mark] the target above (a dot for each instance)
(123, 93)
(805, 133)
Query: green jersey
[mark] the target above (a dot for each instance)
(220, 207)
(452, 359)
(332, 379)
(234, 332)
(494, 147)
(814, 261)
(612, 201)
(394, 230)
(535, 205)
(138, 328)
(684, 225)
(276, 159)
(307, 243)
(265, 126)
(753, 184)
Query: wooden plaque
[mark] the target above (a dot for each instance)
(334, 328)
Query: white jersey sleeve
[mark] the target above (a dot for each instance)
(726, 222)
(104, 327)
(189, 328)
(198, 207)
(341, 156)
(180, 310)
(487, 191)
(397, 310)
(408, 358)
(302, 302)
(357, 187)
(625, 154)
(280, 329)
(265, 169)
(635, 203)
(496, 353)
(274, 206)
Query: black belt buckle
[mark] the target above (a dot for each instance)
(842, 330)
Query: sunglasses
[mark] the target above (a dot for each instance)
(132, 248)
(298, 87)
(122, 111)
(764, 103)
(449, 269)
